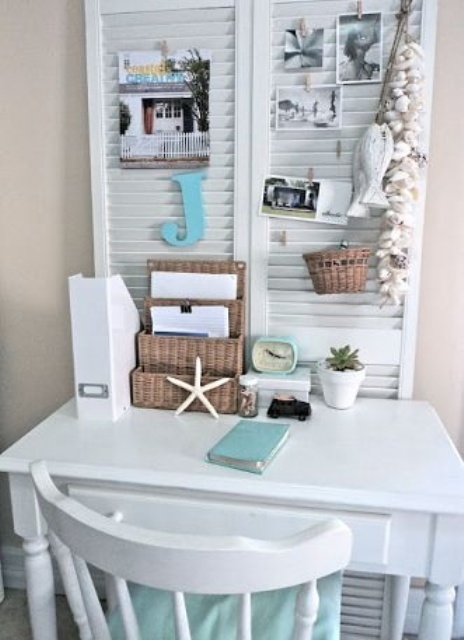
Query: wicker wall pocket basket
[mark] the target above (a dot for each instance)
(160, 356)
(220, 357)
(338, 271)
(153, 391)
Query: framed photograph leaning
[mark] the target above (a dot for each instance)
(319, 107)
(359, 48)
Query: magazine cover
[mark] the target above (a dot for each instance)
(164, 109)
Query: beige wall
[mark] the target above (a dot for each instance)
(440, 350)
(45, 217)
(45, 212)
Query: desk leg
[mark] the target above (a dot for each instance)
(436, 621)
(71, 586)
(40, 589)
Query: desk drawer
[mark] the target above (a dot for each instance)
(219, 515)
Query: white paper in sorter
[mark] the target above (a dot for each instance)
(213, 286)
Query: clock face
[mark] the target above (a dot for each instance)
(274, 356)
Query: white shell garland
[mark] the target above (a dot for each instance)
(401, 184)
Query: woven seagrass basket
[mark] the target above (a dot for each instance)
(338, 271)
(220, 357)
(152, 390)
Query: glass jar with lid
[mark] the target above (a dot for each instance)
(248, 396)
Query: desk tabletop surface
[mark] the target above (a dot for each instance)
(393, 454)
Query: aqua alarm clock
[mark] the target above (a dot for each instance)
(274, 354)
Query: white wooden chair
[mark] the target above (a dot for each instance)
(189, 563)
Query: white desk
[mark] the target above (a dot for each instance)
(386, 467)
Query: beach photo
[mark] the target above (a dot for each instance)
(319, 107)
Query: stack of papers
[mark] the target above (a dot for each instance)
(249, 446)
(208, 321)
(212, 286)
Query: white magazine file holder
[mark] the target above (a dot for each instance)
(104, 322)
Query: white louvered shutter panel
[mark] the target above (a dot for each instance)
(321, 321)
(138, 201)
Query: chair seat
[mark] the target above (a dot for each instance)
(215, 617)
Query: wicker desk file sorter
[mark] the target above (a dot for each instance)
(160, 356)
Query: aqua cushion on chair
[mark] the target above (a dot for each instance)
(213, 617)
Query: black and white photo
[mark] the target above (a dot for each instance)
(304, 50)
(319, 107)
(359, 48)
(298, 198)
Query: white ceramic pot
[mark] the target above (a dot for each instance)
(340, 388)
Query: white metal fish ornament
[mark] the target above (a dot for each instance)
(371, 159)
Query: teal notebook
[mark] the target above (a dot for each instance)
(249, 446)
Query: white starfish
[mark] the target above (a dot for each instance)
(197, 391)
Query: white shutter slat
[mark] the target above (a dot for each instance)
(128, 223)
(152, 30)
(318, 8)
(193, 18)
(166, 197)
(149, 187)
(220, 41)
(363, 297)
(331, 321)
(124, 237)
(120, 178)
(115, 7)
(377, 345)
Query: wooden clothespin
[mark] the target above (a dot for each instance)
(303, 27)
(283, 238)
(339, 148)
(310, 175)
(308, 82)
(359, 9)
(164, 49)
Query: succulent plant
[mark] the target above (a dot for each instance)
(344, 359)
